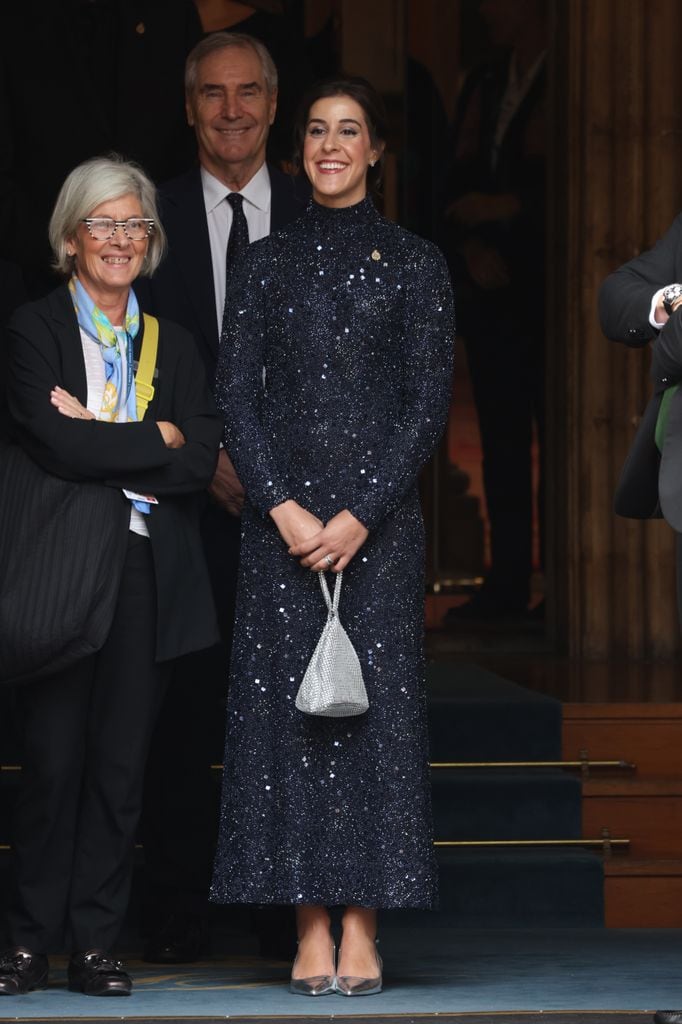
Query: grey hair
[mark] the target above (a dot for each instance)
(226, 41)
(92, 183)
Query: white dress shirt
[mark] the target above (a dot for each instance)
(652, 312)
(257, 195)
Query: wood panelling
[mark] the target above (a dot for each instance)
(643, 887)
(616, 182)
(643, 894)
(647, 735)
(653, 824)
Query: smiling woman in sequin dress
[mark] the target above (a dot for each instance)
(334, 381)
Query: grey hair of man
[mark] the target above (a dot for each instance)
(96, 181)
(225, 41)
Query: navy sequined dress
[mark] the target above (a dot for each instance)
(334, 381)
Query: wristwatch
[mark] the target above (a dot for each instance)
(671, 294)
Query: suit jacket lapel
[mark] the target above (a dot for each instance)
(185, 214)
(71, 349)
(288, 198)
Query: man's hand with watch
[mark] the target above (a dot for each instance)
(669, 300)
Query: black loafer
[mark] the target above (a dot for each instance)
(95, 973)
(22, 971)
(668, 1017)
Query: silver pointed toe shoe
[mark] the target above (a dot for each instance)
(350, 986)
(319, 985)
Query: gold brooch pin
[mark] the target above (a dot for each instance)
(376, 255)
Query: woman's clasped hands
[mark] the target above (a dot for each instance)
(319, 546)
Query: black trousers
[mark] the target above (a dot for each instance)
(86, 732)
(507, 368)
(182, 797)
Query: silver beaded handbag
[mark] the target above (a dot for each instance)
(333, 685)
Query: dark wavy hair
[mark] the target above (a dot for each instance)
(366, 96)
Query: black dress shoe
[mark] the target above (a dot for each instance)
(275, 927)
(21, 971)
(181, 939)
(668, 1017)
(95, 973)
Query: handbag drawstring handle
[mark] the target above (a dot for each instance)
(332, 604)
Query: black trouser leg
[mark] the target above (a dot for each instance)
(53, 715)
(504, 378)
(182, 800)
(127, 694)
(87, 733)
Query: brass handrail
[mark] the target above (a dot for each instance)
(622, 765)
(533, 842)
(606, 843)
(619, 765)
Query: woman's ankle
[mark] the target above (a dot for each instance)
(312, 923)
(360, 923)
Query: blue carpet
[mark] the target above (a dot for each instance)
(437, 970)
(476, 715)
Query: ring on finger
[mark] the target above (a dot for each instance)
(329, 560)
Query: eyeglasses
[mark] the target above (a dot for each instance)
(103, 228)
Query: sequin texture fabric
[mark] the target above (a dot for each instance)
(334, 381)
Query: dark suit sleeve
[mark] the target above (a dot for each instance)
(193, 410)
(73, 448)
(626, 294)
(666, 359)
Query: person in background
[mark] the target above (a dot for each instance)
(640, 303)
(266, 21)
(495, 241)
(211, 213)
(86, 729)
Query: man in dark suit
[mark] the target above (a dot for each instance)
(495, 243)
(638, 303)
(231, 97)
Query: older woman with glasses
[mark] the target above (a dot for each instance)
(74, 393)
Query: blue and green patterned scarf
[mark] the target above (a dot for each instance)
(118, 394)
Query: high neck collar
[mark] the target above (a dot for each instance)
(362, 211)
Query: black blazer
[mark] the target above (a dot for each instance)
(520, 169)
(182, 287)
(45, 349)
(624, 307)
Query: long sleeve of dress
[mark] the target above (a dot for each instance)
(240, 389)
(427, 354)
